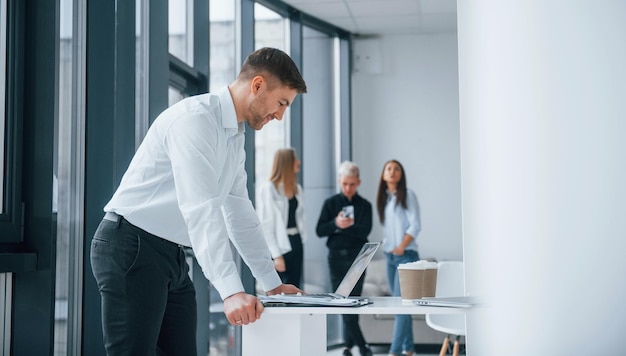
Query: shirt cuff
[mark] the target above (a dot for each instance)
(228, 286)
(269, 281)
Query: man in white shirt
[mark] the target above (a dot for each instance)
(186, 186)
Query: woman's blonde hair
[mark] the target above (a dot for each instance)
(283, 169)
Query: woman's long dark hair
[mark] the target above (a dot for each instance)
(381, 196)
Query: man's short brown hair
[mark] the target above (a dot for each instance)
(277, 64)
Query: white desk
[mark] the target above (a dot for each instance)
(292, 331)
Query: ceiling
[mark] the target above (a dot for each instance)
(379, 17)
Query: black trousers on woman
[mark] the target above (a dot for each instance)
(293, 262)
(339, 261)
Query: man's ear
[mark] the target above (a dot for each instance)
(257, 84)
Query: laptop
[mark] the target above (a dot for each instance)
(341, 297)
(455, 302)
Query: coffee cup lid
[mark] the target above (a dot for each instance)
(431, 265)
(413, 265)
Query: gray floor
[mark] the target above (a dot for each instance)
(377, 352)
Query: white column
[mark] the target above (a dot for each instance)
(543, 162)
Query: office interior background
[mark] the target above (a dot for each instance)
(509, 124)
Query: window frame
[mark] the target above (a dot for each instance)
(11, 213)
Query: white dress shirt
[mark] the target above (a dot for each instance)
(187, 184)
(400, 221)
(273, 210)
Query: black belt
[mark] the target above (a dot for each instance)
(119, 219)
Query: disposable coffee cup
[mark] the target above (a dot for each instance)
(430, 280)
(411, 280)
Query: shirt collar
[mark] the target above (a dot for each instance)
(229, 116)
(349, 200)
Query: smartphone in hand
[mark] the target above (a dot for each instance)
(348, 211)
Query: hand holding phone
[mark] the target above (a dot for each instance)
(348, 211)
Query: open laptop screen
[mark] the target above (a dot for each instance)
(356, 270)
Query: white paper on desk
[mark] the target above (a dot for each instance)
(285, 299)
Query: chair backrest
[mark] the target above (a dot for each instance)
(449, 284)
(450, 279)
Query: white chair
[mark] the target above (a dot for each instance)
(449, 284)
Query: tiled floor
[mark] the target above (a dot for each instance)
(378, 351)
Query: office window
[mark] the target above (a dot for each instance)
(223, 63)
(67, 208)
(180, 29)
(270, 30)
(142, 80)
(174, 95)
(68, 179)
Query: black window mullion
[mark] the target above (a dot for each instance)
(11, 215)
(185, 78)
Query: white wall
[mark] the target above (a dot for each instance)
(542, 92)
(405, 107)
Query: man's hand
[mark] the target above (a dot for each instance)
(285, 288)
(343, 222)
(242, 309)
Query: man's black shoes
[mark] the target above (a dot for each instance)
(366, 351)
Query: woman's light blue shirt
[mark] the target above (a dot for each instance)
(400, 221)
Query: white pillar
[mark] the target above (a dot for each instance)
(543, 167)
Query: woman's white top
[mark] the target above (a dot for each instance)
(273, 211)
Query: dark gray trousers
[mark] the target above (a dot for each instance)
(148, 299)
(339, 262)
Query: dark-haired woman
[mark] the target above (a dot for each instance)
(398, 211)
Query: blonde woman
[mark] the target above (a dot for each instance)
(281, 211)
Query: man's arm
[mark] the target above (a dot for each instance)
(326, 222)
(195, 147)
(246, 235)
(243, 309)
(246, 232)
